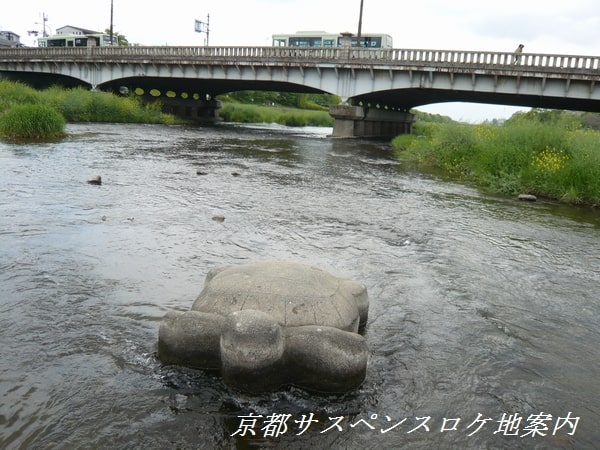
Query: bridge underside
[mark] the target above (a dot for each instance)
(178, 85)
(210, 87)
(44, 80)
(402, 100)
(393, 104)
(406, 99)
(399, 99)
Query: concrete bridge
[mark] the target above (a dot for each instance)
(378, 87)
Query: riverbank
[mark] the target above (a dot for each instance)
(293, 117)
(80, 105)
(548, 154)
(72, 105)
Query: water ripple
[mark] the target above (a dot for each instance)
(478, 304)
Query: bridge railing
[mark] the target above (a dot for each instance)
(551, 61)
(391, 57)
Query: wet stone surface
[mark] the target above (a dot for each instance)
(268, 324)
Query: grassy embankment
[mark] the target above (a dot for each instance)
(26, 113)
(550, 154)
(296, 110)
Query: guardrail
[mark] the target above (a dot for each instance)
(393, 57)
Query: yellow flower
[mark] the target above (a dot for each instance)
(550, 160)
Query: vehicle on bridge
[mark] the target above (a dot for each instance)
(324, 39)
(70, 36)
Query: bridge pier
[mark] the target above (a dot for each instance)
(359, 121)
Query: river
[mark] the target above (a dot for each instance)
(484, 320)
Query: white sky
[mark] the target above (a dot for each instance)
(568, 27)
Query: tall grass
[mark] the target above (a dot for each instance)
(14, 93)
(243, 113)
(32, 121)
(556, 159)
(72, 105)
(82, 105)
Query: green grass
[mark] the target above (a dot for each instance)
(32, 121)
(556, 158)
(244, 113)
(26, 113)
(82, 105)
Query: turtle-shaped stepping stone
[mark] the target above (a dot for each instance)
(269, 324)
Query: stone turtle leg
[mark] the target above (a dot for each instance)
(325, 359)
(252, 346)
(190, 339)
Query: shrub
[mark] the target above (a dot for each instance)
(32, 121)
(242, 113)
(12, 93)
(81, 105)
(545, 153)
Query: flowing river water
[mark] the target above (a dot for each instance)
(484, 320)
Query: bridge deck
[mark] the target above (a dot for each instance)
(451, 59)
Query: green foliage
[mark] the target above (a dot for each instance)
(243, 113)
(32, 121)
(82, 105)
(562, 119)
(591, 120)
(421, 116)
(12, 93)
(319, 102)
(546, 153)
(70, 105)
(121, 39)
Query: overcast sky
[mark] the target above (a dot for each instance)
(567, 27)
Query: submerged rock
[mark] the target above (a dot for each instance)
(96, 179)
(527, 198)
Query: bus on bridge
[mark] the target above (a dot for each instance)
(324, 39)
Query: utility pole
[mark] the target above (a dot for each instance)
(36, 32)
(207, 27)
(111, 22)
(44, 20)
(359, 24)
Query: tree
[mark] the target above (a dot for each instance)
(121, 39)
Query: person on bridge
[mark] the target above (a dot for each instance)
(518, 53)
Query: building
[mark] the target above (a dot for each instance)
(9, 39)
